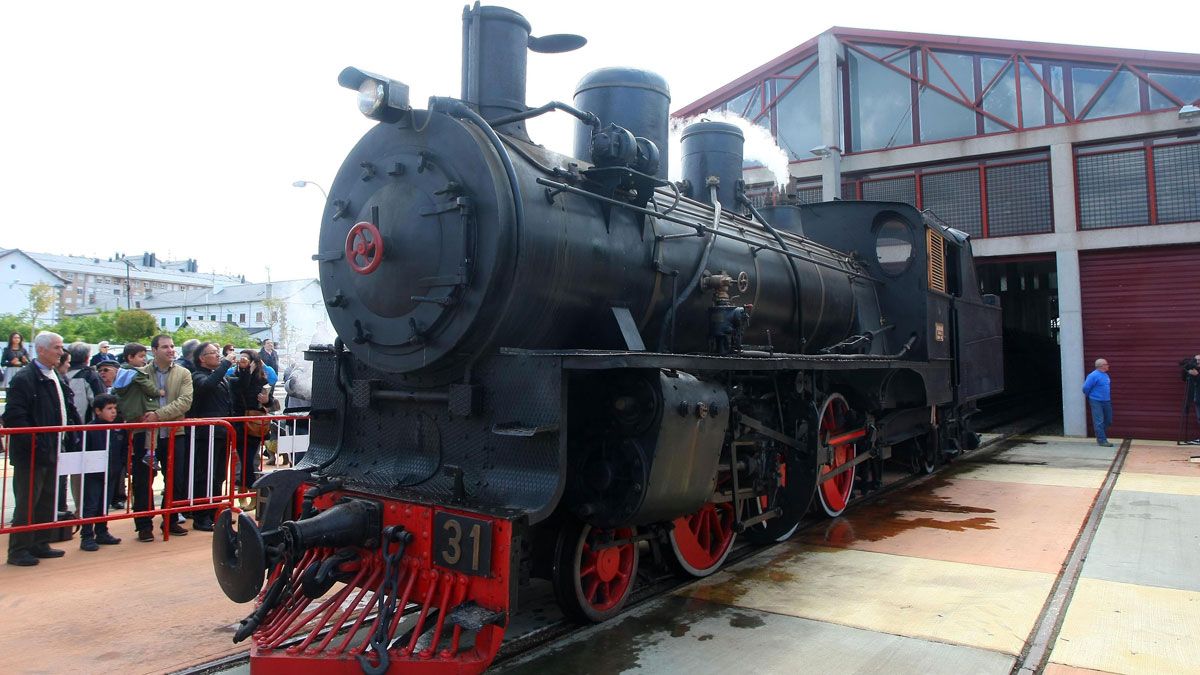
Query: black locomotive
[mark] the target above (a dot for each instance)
(548, 364)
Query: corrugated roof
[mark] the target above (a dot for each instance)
(116, 268)
(227, 295)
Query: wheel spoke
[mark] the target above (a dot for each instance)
(589, 592)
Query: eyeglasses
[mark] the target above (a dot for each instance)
(211, 353)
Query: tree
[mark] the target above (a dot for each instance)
(277, 321)
(41, 299)
(91, 328)
(135, 324)
(228, 334)
(14, 323)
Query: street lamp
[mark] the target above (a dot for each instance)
(128, 285)
(305, 183)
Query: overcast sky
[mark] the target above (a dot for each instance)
(179, 127)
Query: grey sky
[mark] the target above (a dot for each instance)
(179, 127)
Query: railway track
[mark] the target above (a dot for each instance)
(550, 628)
(653, 588)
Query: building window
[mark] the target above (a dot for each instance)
(901, 189)
(1112, 189)
(258, 317)
(1120, 97)
(1115, 184)
(880, 99)
(798, 112)
(1177, 182)
(953, 196)
(241, 318)
(212, 317)
(176, 321)
(1018, 198)
(943, 117)
(162, 322)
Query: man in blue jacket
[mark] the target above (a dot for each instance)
(1098, 389)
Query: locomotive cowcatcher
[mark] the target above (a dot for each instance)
(548, 365)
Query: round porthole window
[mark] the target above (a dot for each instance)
(894, 246)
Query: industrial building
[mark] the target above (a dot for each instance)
(1076, 170)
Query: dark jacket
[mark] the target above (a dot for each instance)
(101, 357)
(245, 389)
(113, 440)
(186, 364)
(211, 395)
(21, 355)
(32, 403)
(271, 359)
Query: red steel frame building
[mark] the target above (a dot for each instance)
(1086, 155)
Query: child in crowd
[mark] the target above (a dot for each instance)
(107, 370)
(137, 394)
(104, 411)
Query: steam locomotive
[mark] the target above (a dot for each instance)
(549, 364)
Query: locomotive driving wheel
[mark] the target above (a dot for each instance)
(834, 437)
(593, 576)
(702, 540)
(926, 452)
(790, 490)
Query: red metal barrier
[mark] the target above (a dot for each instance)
(174, 503)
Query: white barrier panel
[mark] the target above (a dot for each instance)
(88, 461)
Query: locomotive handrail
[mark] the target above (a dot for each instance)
(584, 116)
(677, 300)
(791, 261)
(766, 247)
(457, 107)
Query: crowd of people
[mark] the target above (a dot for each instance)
(51, 386)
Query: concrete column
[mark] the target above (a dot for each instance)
(828, 50)
(1070, 301)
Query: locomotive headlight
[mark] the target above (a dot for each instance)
(371, 96)
(380, 98)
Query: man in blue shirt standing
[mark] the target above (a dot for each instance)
(1097, 388)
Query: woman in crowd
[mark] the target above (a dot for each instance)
(15, 356)
(251, 392)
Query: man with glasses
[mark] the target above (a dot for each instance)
(211, 399)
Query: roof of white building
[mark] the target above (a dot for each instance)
(6, 251)
(240, 293)
(229, 295)
(117, 268)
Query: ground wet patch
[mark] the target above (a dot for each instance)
(617, 646)
(920, 507)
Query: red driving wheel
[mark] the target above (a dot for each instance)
(364, 247)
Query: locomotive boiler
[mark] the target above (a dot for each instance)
(548, 364)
